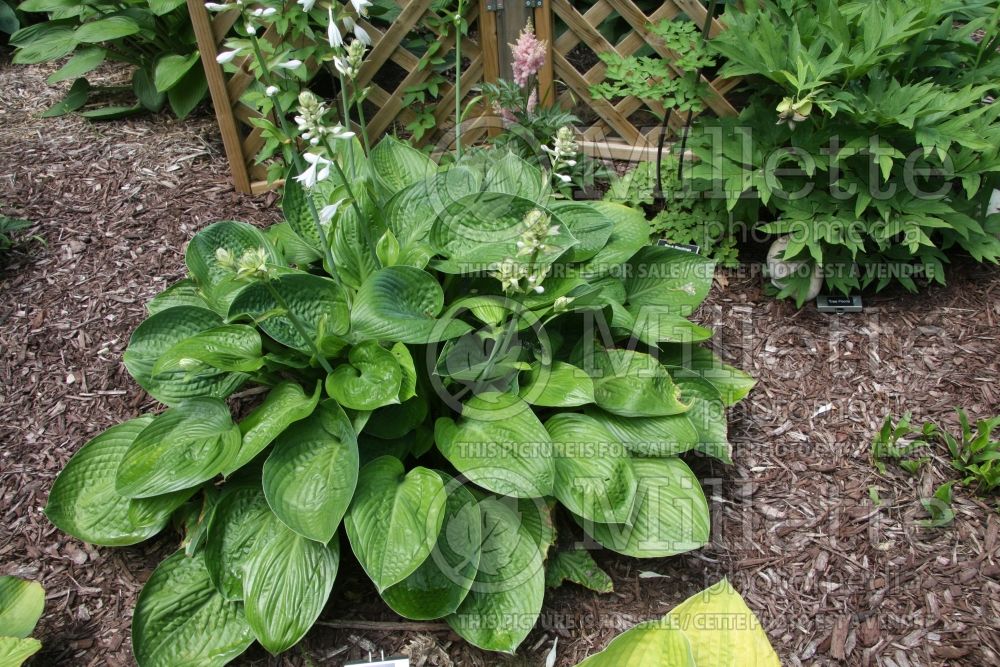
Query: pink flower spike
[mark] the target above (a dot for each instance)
(529, 55)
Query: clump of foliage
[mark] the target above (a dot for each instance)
(686, 217)
(713, 628)
(892, 443)
(9, 227)
(10, 18)
(21, 605)
(154, 36)
(975, 454)
(887, 145)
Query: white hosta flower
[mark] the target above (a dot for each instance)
(225, 258)
(327, 213)
(339, 132)
(307, 5)
(289, 64)
(362, 35)
(216, 7)
(263, 12)
(344, 67)
(271, 91)
(318, 170)
(564, 178)
(361, 6)
(333, 35)
(227, 56)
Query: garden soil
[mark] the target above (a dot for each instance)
(826, 550)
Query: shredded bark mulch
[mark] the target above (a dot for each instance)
(825, 549)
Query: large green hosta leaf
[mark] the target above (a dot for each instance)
(21, 605)
(633, 384)
(397, 165)
(688, 361)
(438, 586)
(499, 444)
(660, 324)
(286, 582)
(557, 385)
(14, 651)
(650, 644)
(651, 436)
(673, 279)
(232, 348)
(179, 449)
(182, 293)
(351, 245)
(394, 519)
(579, 567)
(670, 515)
(708, 416)
(513, 176)
(180, 619)
(154, 337)
(594, 477)
(371, 379)
(311, 474)
(285, 404)
(84, 503)
(588, 225)
(402, 303)
(506, 598)
(240, 515)
(218, 284)
(318, 303)
(630, 234)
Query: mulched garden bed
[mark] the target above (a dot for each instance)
(834, 578)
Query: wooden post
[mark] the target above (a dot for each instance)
(543, 28)
(231, 139)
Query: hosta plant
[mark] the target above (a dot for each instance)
(451, 361)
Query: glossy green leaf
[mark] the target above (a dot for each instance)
(182, 293)
(397, 165)
(738, 641)
(438, 586)
(633, 384)
(21, 605)
(188, 93)
(75, 98)
(181, 448)
(145, 90)
(156, 336)
(285, 404)
(318, 303)
(217, 282)
(708, 416)
(311, 474)
(670, 515)
(651, 644)
(14, 651)
(115, 112)
(651, 436)
(686, 361)
(402, 303)
(106, 29)
(171, 68)
(629, 234)
(240, 515)
(513, 176)
(351, 247)
(673, 279)
(659, 324)
(579, 567)
(54, 43)
(499, 444)
(588, 224)
(84, 503)
(181, 619)
(83, 61)
(394, 519)
(506, 598)
(231, 347)
(371, 379)
(557, 385)
(594, 477)
(287, 580)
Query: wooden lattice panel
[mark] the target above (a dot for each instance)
(615, 132)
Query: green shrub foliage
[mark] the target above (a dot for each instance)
(464, 353)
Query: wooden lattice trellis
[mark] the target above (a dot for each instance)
(615, 134)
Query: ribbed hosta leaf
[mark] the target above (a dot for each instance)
(402, 303)
(630, 233)
(513, 176)
(633, 384)
(179, 449)
(287, 580)
(686, 361)
(394, 519)
(311, 474)
(650, 644)
(499, 444)
(182, 293)
(240, 515)
(84, 503)
(231, 347)
(285, 404)
(438, 586)
(670, 515)
(14, 651)
(397, 165)
(557, 385)
(506, 598)
(161, 332)
(180, 619)
(588, 225)
(651, 436)
(21, 605)
(579, 567)
(594, 477)
(371, 379)
(708, 416)
(673, 279)
(658, 324)
(218, 284)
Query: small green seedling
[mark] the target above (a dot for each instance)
(939, 507)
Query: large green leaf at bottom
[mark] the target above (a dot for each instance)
(506, 598)
(285, 404)
(739, 641)
(708, 416)
(181, 448)
(21, 605)
(311, 474)
(286, 582)
(646, 645)
(14, 651)
(180, 618)
(499, 444)
(670, 515)
(394, 519)
(240, 515)
(84, 503)
(438, 586)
